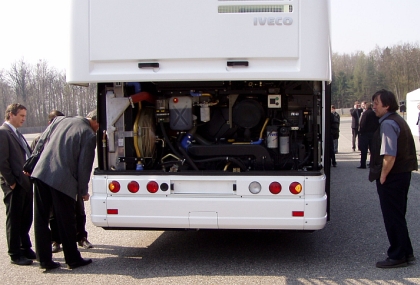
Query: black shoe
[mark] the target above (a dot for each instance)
(49, 265)
(81, 262)
(354, 149)
(84, 243)
(334, 164)
(392, 263)
(21, 261)
(28, 253)
(411, 258)
(361, 167)
(55, 247)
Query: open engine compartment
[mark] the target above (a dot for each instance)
(217, 126)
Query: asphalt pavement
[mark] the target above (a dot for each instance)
(344, 252)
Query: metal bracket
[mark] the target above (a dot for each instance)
(115, 108)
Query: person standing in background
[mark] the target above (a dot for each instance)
(418, 119)
(369, 123)
(393, 158)
(355, 117)
(17, 188)
(335, 128)
(332, 153)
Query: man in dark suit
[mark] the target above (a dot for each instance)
(17, 188)
(369, 123)
(61, 175)
(355, 117)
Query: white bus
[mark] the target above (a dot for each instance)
(214, 114)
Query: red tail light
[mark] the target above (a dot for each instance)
(295, 188)
(114, 186)
(275, 187)
(152, 187)
(298, 214)
(133, 187)
(112, 211)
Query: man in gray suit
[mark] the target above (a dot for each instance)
(60, 176)
(17, 188)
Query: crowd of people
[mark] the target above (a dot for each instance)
(53, 195)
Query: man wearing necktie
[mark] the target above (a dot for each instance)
(17, 188)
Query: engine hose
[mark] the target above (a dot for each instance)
(165, 136)
(263, 128)
(188, 158)
(202, 140)
(199, 138)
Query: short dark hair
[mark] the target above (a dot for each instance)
(13, 109)
(92, 115)
(332, 107)
(53, 114)
(388, 99)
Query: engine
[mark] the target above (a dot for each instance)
(222, 126)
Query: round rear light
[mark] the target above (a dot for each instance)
(133, 187)
(152, 187)
(254, 187)
(275, 188)
(164, 187)
(114, 186)
(295, 188)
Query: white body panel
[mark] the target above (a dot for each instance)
(413, 98)
(212, 204)
(192, 40)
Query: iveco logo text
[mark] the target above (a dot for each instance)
(273, 21)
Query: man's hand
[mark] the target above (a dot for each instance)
(388, 163)
(27, 173)
(86, 197)
(13, 186)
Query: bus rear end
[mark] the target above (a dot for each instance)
(214, 114)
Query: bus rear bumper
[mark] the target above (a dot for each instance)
(209, 213)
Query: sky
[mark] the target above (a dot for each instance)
(37, 29)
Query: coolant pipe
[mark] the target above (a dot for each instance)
(168, 142)
(261, 133)
(188, 158)
(186, 141)
(258, 141)
(185, 153)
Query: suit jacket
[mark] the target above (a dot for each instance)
(12, 158)
(66, 162)
(355, 116)
(369, 122)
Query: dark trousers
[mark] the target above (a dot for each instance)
(354, 132)
(393, 198)
(332, 152)
(64, 207)
(81, 232)
(365, 144)
(19, 216)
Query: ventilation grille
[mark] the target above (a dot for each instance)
(234, 9)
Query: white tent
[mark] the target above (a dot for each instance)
(413, 98)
